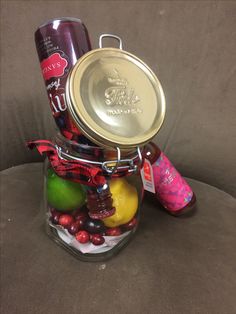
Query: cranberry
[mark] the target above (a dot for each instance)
(74, 227)
(94, 226)
(55, 217)
(66, 220)
(97, 239)
(80, 220)
(116, 231)
(80, 212)
(82, 236)
(131, 224)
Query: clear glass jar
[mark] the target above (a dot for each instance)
(92, 221)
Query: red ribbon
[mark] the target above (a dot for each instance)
(69, 169)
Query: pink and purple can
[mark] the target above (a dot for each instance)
(60, 43)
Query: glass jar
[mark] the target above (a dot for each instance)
(92, 198)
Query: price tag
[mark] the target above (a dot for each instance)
(147, 177)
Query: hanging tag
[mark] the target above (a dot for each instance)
(147, 177)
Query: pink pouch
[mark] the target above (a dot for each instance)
(171, 188)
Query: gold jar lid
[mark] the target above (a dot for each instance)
(115, 98)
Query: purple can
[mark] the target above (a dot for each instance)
(60, 43)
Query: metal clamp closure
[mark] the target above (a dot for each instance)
(111, 167)
(115, 165)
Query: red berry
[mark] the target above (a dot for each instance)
(66, 220)
(112, 232)
(82, 236)
(80, 212)
(74, 227)
(131, 224)
(55, 217)
(80, 220)
(97, 239)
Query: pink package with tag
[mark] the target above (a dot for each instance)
(161, 177)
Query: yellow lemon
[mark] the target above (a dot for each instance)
(125, 200)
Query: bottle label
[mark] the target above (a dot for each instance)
(55, 69)
(54, 66)
(171, 188)
(147, 177)
(59, 46)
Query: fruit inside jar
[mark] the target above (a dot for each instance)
(72, 220)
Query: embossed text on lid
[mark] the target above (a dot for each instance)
(115, 98)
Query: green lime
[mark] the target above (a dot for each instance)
(64, 195)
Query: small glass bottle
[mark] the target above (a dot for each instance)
(171, 189)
